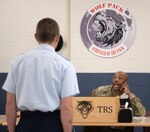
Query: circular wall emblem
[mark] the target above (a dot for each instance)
(107, 29)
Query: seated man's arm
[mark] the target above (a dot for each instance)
(138, 108)
(94, 93)
(102, 91)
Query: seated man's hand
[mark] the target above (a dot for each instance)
(125, 88)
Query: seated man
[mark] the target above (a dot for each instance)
(118, 87)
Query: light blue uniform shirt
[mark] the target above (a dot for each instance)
(40, 79)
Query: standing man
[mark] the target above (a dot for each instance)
(41, 85)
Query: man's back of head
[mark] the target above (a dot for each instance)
(46, 31)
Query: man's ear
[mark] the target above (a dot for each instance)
(36, 37)
(57, 38)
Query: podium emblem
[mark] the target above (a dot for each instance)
(84, 108)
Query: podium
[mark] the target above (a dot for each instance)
(95, 110)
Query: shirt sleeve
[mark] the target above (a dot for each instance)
(69, 83)
(138, 108)
(9, 84)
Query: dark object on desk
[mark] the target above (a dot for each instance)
(123, 101)
(125, 115)
(60, 44)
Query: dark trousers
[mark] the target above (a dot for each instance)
(107, 129)
(39, 122)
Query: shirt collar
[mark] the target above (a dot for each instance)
(45, 47)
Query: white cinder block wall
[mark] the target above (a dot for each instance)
(136, 59)
(18, 19)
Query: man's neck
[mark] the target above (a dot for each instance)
(51, 44)
(115, 92)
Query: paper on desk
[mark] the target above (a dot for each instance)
(139, 118)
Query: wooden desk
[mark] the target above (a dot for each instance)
(3, 120)
(137, 121)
